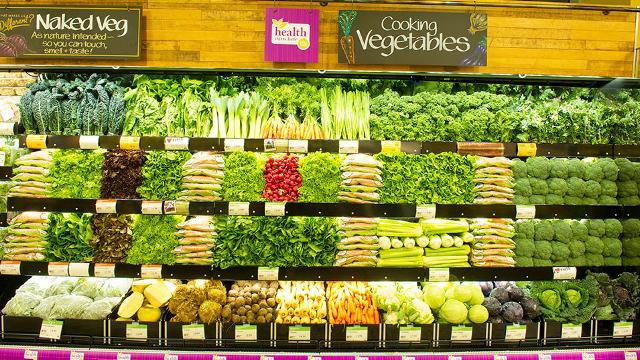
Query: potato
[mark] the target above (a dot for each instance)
(255, 308)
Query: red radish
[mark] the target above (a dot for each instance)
(282, 179)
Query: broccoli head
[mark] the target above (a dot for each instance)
(613, 261)
(557, 186)
(580, 230)
(631, 227)
(538, 186)
(596, 227)
(575, 168)
(525, 248)
(576, 248)
(578, 261)
(575, 187)
(612, 247)
(594, 245)
(592, 170)
(631, 261)
(609, 188)
(612, 228)
(594, 259)
(572, 200)
(637, 173)
(626, 169)
(542, 262)
(562, 231)
(543, 250)
(607, 200)
(592, 189)
(629, 200)
(523, 187)
(609, 168)
(520, 200)
(589, 201)
(519, 169)
(522, 261)
(631, 247)
(544, 230)
(558, 168)
(553, 199)
(627, 188)
(525, 229)
(559, 251)
(537, 199)
(538, 167)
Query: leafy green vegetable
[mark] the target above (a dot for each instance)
(111, 237)
(320, 178)
(243, 177)
(162, 175)
(566, 301)
(154, 239)
(68, 238)
(76, 174)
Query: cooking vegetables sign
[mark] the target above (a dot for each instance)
(412, 38)
(70, 32)
(291, 35)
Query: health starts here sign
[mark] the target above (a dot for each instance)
(291, 35)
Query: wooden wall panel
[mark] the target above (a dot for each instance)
(229, 34)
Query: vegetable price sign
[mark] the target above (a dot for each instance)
(70, 32)
(412, 38)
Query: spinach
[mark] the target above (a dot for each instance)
(162, 175)
(68, 238)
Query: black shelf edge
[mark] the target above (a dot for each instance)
(6, 172)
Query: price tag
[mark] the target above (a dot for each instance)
(571, 331)
(36, 141)
(3, 157)
(276, 145)
(6, 128)
(438, 274)
(410, 334)
(136, 332)
(564, 273)
(193, 332)
(267, 274)
(461, 333)
(231, 145)
(298, 146)
(152, 207)
(51, 329)
(311, 357)
(151, 271)
(630, 355)
(525, 211)
(405, 357)
(76, 356)
(31, 354)
(106, 206)
(89, 142)
(499, 357)
(426, 211)
(274, 209)
(388, 146)
(176, 207)
(348, 146)
(122, 356)
(58, 269)
(219, 357)
(527, 149)
(516, 332)
(622, 328)
(238, 209)
(246, 332)
(299, 333)
(9, 267)
(129, 143)
(104, 270)
(544, 357)
(170, 357)
(357, 333)
(264, 357)
(176, 143)
(588, 356)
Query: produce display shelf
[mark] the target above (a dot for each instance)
(331, 146)
(312, 273)
(321, 209)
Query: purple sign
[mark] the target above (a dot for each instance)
(291, 35)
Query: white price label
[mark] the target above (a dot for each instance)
(264, 357)
(357, 333)
(170, 357)
(79, 269)
(516, 332)
(544, 357)
(564, 273)
(136, 332)
(10, 267)
(274, 209)
(298, 146)
(451, 357)
(238, 209)
(89, 142)
(588, 356)
(231, 145)
(410, 334)
(525, 211)
(571, 331)
(176, 207)
(348, 146)
(246, 332)
(76, 356)
(499, 357)
(426, 211)
(176, 143)
(104, 270)
(122, 356)
(31, 354)
(622, 329)
(461, 333)
(219, 357)
(193, 332)
(151, 271)
(438, 274)
(106, 206)
(6, 128)
(630, 355)
(405, 357)
(51, 329)
(311, 357)
(152, 207)
(267, 274)
(299, 333)
(58, 269)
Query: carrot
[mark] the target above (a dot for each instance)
(346, 42)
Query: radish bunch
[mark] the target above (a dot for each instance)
(282, 179)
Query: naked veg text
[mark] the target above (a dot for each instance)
(62, 22)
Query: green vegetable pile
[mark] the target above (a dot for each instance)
(154, 239)
(162, 175)
(243, 177)
(445, 178)
(69, 238)
(631, 242)
(76, 174)
(277, 241)
(619, 298)
(320, 178)
(111, 237)
(566, 301)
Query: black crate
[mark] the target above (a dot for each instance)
(603, 333)
(498, 333)
(391, 337)
(552, 334)
(172, 334)
(74, 331)
(317, 336)
(479, 336)
(264, 337)
(338, 337)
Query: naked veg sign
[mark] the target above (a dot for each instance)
(70, 32)
(412, 38)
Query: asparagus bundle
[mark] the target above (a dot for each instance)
(196, 238)
(202, 177)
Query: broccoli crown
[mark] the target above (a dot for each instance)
(543, 250)
(559, 251)
(577, 248)
(572, 200)
(575, 168)
(626, 170)
(523, 187)
(613, 261)
(557, 186)
(607, 200)
(609, 168)
(562, 231)
(594, 259)
(580, 230)
(558, 168)
(519, 169)
(596, 227)
(609, 188)
(525, 229)
(592, 189)
(589, 201)
(537, 200)
(538, 167)
(575, 187)
(538, 186)
(553, 199)
(578, 261)
(525, 247)
(594, 245)
(637, 172)
(522, 261)
(627, 188)
(544, 230)
(612, 228)
(612, 247)
(542, 262)
(631, 261)
(592, 170)
(631, 247)
(521, 200)
(630, 200)
(631, 227)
